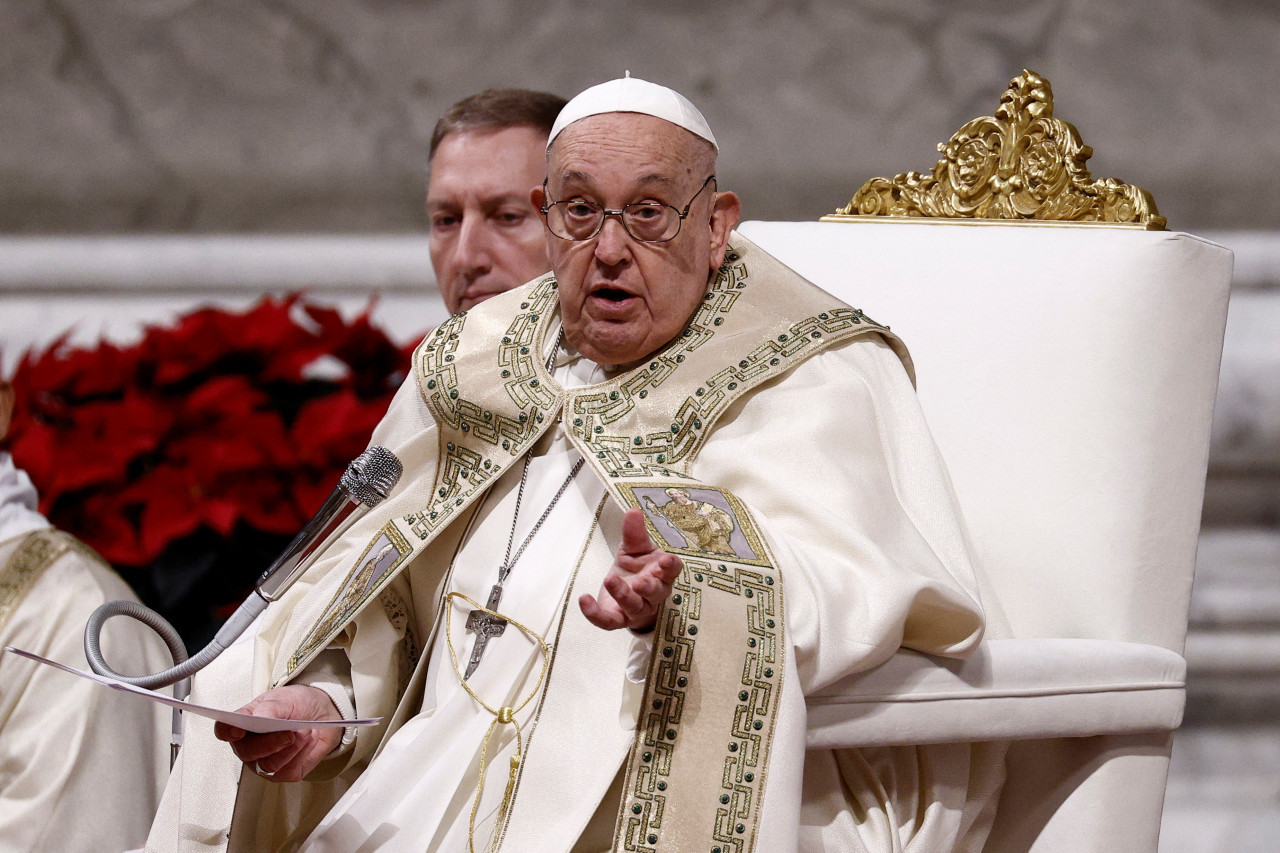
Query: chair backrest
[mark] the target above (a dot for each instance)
(1068, 374)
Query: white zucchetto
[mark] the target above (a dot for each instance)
(632, 95)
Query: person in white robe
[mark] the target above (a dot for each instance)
(556, 667)
(81, 768)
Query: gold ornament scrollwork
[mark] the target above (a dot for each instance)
(1021, 164)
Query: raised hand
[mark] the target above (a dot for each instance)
(285, 756)
(637, 584)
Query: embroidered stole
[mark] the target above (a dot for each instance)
(693, 781)
(37, 551)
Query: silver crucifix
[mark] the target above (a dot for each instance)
(485, 626)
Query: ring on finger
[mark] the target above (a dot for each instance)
(257, 768)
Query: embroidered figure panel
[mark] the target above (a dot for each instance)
(387, 551)
(755, 592)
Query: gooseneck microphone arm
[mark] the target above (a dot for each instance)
(367, 481)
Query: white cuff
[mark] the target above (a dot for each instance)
(638, 657)
(326, 675)
(342, 700)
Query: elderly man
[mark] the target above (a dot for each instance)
(477, 611)
(487, 153)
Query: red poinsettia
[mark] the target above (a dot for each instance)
(219, 435)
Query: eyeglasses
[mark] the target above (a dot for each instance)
(646, 221)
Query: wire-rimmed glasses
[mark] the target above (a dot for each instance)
(646, 221)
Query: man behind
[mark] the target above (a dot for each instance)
(487, 153)
(476, 611)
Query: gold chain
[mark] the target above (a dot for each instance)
(501, 716)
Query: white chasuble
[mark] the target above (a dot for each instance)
(81, 767)
(779, 409)
(423, 794)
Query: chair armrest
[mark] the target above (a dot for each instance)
(1006, 690)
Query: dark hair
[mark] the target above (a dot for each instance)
(496, 109)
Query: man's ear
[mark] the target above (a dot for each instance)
(726, 210)
(538, 197)
(7, 398)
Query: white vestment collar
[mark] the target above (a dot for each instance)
(18, 501)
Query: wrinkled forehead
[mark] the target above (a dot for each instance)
(629, 146)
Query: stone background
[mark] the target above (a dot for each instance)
(158, 153)
(305, 115)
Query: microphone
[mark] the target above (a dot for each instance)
(368, 480)
(366, 483)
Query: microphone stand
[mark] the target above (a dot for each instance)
(367, 481)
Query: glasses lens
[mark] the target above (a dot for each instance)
(651, 222)
(574, 220)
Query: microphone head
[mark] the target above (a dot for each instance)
(372, 475)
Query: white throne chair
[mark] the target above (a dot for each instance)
(1076, 430)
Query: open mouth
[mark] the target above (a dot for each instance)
(612, 294)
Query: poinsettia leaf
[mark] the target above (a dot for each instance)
(189, 347)
(103, 522)
(283, 345)
(195, 453)
(333, 430)
(105, 372)
(221, 397)
(103, 439)
(220, 513)
(171, 512)
(376, 363)
(264, 503)
(327, 319)
(35, 450)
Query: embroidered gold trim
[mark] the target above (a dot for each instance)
(37, 551)
(1021, 164)
(356, 590)
(649, 776)
(665, 452)
(462, 474)
(463, 470)
(516, 351)
(640, 823)
(746, 768)
(516, 356)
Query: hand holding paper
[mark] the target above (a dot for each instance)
(284, 756)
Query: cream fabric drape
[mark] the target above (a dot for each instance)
(81, 767)
(839, 471)
(440, 749)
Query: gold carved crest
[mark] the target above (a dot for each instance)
(1020, 164)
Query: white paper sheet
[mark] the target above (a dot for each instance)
(244, 721)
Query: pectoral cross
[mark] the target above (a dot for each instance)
(485, 626)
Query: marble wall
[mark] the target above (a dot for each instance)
(302, 115)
